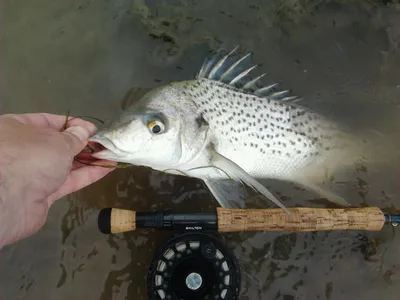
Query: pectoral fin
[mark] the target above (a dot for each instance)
(241, 176)
(228, 193)
(329, 195)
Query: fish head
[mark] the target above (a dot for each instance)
(150, 132)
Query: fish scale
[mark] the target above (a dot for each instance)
(227, 129)
(259, 125)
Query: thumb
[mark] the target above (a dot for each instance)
(76, 138)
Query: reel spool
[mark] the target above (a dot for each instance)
(193, 266)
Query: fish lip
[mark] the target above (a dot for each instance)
(105, 154)
(110, 147)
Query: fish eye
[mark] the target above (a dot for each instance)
(156, 126)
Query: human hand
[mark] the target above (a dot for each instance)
(37, 168)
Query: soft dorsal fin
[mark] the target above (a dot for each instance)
(235, 72)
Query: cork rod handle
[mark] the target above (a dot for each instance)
(115, 220)
(300, 219)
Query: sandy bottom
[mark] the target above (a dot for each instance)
(84, 56)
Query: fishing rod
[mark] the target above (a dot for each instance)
(300, 219)
(197, 265)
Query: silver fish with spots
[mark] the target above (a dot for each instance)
(227, 129)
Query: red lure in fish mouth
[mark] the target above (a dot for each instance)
(90, 149)
(86, 156)
(94, 147)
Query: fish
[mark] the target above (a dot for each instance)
(227, 128)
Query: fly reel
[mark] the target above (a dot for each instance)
(193, 266)
(197, 266)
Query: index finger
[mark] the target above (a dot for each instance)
(51, 120)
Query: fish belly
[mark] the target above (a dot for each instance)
(266, 165)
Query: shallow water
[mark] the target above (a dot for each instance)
(85, 56)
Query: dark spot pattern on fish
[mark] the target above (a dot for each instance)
(201, 122)
(239, 115)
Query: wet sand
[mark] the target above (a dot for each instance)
(85, 56)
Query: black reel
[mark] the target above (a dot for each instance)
(193, 266)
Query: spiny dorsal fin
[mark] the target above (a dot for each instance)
(235, 72)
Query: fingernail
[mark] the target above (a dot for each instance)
(80, 132)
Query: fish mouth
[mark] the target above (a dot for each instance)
(96, 148)
(104, 148)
